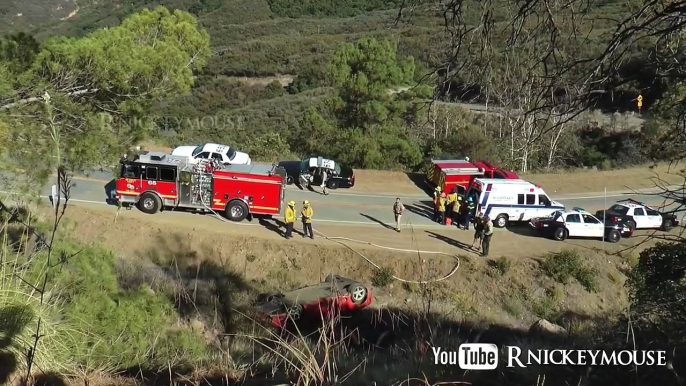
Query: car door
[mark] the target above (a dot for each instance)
(574, 225)
(218, 157)
(203, 155)
(530, 210)
(641, 219)
(592, 226)
(654, 218)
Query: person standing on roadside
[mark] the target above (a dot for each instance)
(306, 213)
(325, 179)
(467, 213)
(398, 209)
(441, 209)
(290, 219)
(437, 196)
(452, 202)
(488, 233)
(478, 231)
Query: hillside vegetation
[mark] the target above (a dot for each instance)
(74, 96)
(301, 38)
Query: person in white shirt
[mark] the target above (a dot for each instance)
(398, 209)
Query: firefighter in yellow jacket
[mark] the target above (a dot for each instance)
(452, 202)
(290, 218)
(440, 208)
(306, 213)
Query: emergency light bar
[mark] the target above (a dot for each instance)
(577, 209)
(633, 201)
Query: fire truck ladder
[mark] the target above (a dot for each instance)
(201, 188)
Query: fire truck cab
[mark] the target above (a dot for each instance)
(460, 173)
(155, 181)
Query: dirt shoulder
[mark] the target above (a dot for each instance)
(263, 256)
(131, 229)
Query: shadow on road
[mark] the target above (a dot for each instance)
(422, 208)
(109, 188)
(377, 221)
(419, 180)
(450, 241)
(523, 230)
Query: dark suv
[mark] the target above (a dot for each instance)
(340, 176)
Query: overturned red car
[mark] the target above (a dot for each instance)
(335, 295)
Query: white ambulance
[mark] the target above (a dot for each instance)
(506, 201)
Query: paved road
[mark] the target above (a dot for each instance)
(345, 206)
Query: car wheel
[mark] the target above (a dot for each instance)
(236, 210)
(149, 203)
(632, 226)
(289, 180)
(560, 234)
(357, 293)
(613, 236)
(332, 184)
(667, 225)
(501, 221)
(295, 312)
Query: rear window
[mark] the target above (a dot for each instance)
(621, 209)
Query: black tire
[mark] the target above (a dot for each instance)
(667, 225)
(236, 210)
(631, 224)
(560, 234)
(149, 203)
(289, 180)
(613, 236)
(357, 292)
(501, 221)
(332, 185)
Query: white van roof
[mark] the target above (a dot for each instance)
(501, 181)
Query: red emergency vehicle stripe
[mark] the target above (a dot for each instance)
(265, 207)
(134, 193)
(218, 204)
(248, 180)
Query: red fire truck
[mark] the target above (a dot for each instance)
(461, 172)
(156, 181)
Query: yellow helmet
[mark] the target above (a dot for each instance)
(291, 203)
(306, 203)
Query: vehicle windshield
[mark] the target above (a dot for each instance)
(198, 150)
(231, 154)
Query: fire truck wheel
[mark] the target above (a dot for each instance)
(236, 210)
(149, 203)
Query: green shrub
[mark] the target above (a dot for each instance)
(382, 277)
(548, 305)
(502, 265)
(117, 329)
(567, 265)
